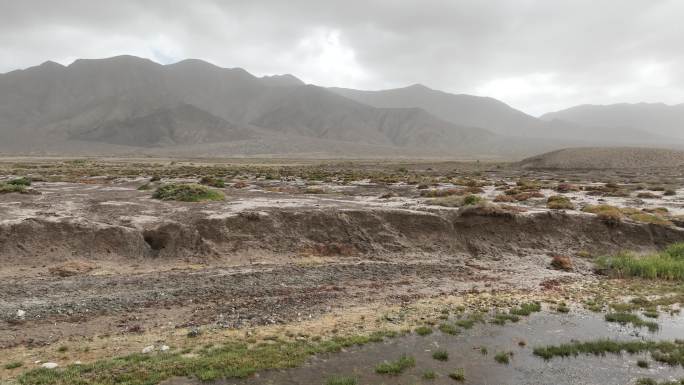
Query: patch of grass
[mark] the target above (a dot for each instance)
(187, 193)
(650, 218)
(559, 202)
(503, 357)
(666, 265)
(396, 367)
(465, 323)
(472, 200)
(440, 355)
(651, 313)
(423, 330)
(562, 308)
(13, 365)
(62, 349)
(230, 360)
(633, 319)
(429, 374)
(526, 309)
(12, 188)
(340, 380)
(671, 353)
(458, 375)
(448, 328)
(23, 181)
(501, 318)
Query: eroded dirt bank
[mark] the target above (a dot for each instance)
(212, 235)
(77, 276)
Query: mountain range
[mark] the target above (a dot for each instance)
(130, 105)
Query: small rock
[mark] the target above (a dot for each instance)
(21, 314)
(49, 365)
(148, 349)
(164, 348)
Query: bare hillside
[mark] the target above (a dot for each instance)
(609, 157)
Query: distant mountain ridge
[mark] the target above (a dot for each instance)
(656, 118)
(127, 104)
(135, 102)
(500, 118)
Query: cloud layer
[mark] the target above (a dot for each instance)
(537, 55)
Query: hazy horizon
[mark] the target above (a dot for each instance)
(537, 56)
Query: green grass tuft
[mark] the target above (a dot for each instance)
(503, 357)
(340, 380)
(13, 365)
(448, 328)
(396, 367)
(667, 265)
(423, 330)
(671, 353)
(633, 319)
(187, 193)
(526, 309)
(440, 355)
(458, 375)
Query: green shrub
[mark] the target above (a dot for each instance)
(472, 200)
(23, 181)
(503, 357)
(187, 193)
(440, 355)
(458, 375)
(559, 202)
(429, 374)
(12, 188)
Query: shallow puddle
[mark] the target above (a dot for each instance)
(464, 352)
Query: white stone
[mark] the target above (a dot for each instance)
(21, 313)
(148, 349)
(164, 348)
(49, 365)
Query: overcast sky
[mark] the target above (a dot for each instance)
(536, 55)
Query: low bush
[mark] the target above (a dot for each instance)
(559, 202)
(187, 193)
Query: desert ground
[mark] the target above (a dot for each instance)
(152, 270)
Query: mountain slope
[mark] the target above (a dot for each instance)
(183, 124)
(606, 158)
(500, 118)
(135, 102)
(461, 109)
(657, 118)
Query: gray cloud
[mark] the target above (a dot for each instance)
(537, 55)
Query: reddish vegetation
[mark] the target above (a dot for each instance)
(561, 262)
